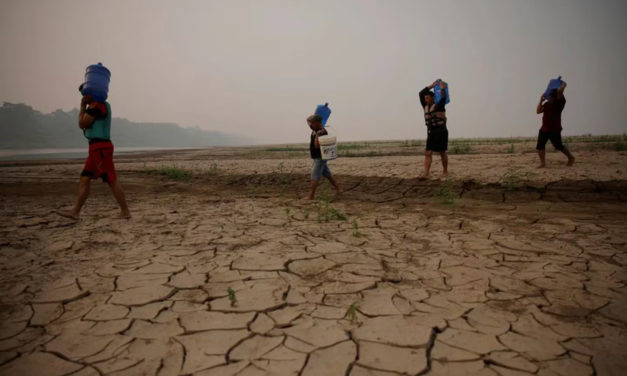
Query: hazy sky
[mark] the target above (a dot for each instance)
(259, 67)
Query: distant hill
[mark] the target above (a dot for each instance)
(22, 127)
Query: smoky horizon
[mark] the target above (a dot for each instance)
(259, 68)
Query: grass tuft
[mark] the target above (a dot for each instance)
(446, 193)
(232, 297)
(356, 232)
(351, 313)
(171, 172)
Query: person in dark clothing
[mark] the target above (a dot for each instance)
(437, 133)
(320, 167)
(551, 129)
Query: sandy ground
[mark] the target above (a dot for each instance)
(502, 270)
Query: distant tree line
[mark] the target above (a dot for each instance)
(22, 127)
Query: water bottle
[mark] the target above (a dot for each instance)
(437, 91)
(324, 111)
(554, 84)
(97, 78)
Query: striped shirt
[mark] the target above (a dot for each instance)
(435, 114)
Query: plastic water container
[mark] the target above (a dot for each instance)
(324, 111)
(553, 85)
(437, 91)
(97, 78)
(328, 145)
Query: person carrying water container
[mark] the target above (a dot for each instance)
(320, 167)
(437, 133)
(94, 119)
(551, 129)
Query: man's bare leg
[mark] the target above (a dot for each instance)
(444, 158)
(118, 193)
(334, 183)
(571, 159)
(542, 155)
(428, 159)
(83, 193)
(314, 186)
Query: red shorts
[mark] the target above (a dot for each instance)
(99, 163)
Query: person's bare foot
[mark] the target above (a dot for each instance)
(307, 199)
(423, 176)
(571, 161)
(124, 215)
(542, 166)
(67, 214)
(444, 175)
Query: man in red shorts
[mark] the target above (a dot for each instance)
(551, 109)
(94, 119)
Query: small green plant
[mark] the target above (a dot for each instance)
(232, 297)
(462, 148)
(356, 232)
(213, 170)
(511, 149)
(171, 172)
(512, 179)
(446, 193)
(326, 211)
(351, 313)
(620, 146)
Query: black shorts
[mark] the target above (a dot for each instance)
(555, 137)
(437, 138)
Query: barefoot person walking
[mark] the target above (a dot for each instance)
(551, 129)
(320, 167)
(437, 133)
(94, 119)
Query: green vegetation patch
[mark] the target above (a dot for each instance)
(171, 172)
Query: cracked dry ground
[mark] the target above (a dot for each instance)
(484, 287)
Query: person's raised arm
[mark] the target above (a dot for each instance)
(425, 91)
(442, 102)
(422, 94)
(540, 108)
(85, 120)
(560, 91)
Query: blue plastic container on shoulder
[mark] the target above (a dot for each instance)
(97, 78)
(324, 111)
(554, 84)
(437, 92)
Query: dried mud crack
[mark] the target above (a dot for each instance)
(233, 274)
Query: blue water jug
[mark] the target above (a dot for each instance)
(97, 78)
(437, 91)
(324, 111)
(553, 85)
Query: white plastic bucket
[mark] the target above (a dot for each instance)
(328, 147)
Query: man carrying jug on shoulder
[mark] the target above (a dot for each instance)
(94, 119)
(551, 109)
(437, 133)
